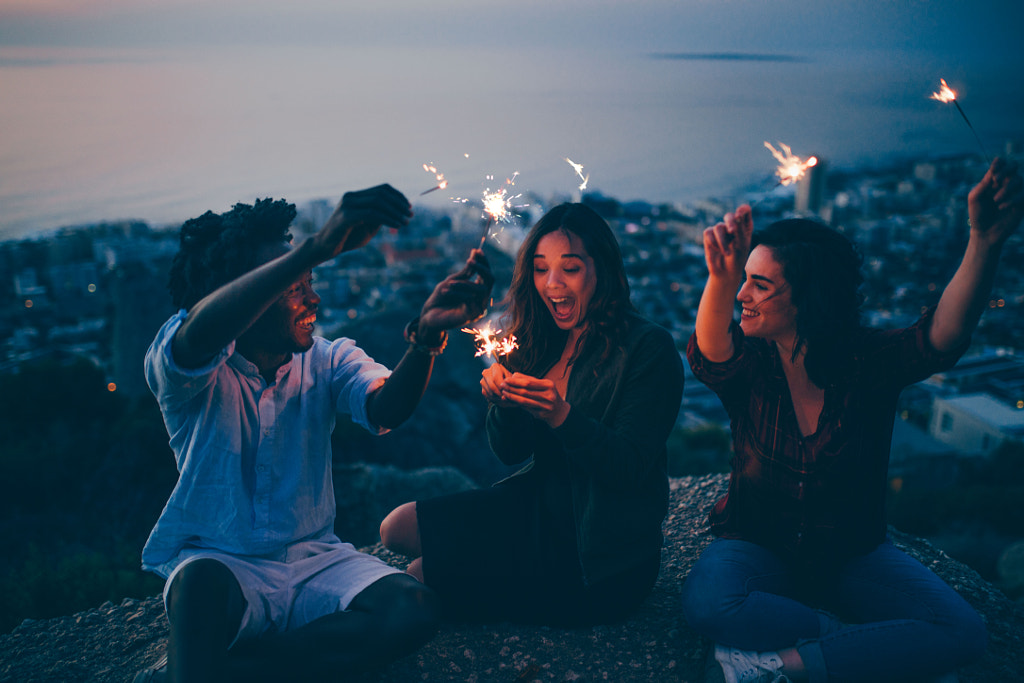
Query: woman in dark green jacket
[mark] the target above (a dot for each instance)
(587, 401)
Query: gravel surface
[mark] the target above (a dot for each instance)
(112, 642)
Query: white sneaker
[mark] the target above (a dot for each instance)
(743, 666)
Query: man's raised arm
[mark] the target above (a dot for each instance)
(223, 315)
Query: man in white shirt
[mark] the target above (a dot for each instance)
(258, 585)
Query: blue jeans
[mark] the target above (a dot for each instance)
(905, 623)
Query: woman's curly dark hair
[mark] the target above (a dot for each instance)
(217, 248)
(540, 340)
(823, 269)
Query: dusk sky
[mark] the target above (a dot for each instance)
(671, 25)
(160, 110)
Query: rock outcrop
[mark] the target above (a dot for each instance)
(112, 642)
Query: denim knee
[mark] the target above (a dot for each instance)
(961, 629)
(701, 611)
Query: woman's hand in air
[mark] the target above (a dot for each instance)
(996, 204)
(727, 244)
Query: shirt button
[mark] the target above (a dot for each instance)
(260, 468)
(266, 432)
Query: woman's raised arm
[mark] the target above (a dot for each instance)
(726, 247)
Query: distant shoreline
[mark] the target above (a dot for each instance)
(755, 185)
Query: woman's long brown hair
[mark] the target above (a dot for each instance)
(541, 341)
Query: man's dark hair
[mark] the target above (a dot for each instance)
(217, 248)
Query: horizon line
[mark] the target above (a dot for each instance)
(728, 57)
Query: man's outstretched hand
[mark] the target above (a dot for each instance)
(457, 300)
(359, 216)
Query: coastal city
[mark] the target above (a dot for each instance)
(99, 292)
(86, 453)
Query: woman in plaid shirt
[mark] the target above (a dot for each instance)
(811, 395)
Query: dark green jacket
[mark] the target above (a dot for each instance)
(622, 411)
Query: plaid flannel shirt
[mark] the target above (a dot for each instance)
(816, 498)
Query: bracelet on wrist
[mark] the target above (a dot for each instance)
(414, 343)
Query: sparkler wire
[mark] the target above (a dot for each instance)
(947, 95)
(981, 145)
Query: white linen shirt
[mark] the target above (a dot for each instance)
(254, 460)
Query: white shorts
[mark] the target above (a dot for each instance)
(314, 579)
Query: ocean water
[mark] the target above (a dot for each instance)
(164, 134)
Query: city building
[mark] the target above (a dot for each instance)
(975, 424)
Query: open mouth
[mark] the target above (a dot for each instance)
(749, 313)
(562, 308)
(307, 322)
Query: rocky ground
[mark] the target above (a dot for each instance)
(112, 642)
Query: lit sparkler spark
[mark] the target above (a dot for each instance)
(947, 95)
(497, 205)
(441, 182)
(579, 171)
(498, 202)
(488, 343)
(791, 167)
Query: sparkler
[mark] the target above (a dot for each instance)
(947, 95)
(579, 171)
(488, 343)
(441, 182)
(497, 205)
(791, 167)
